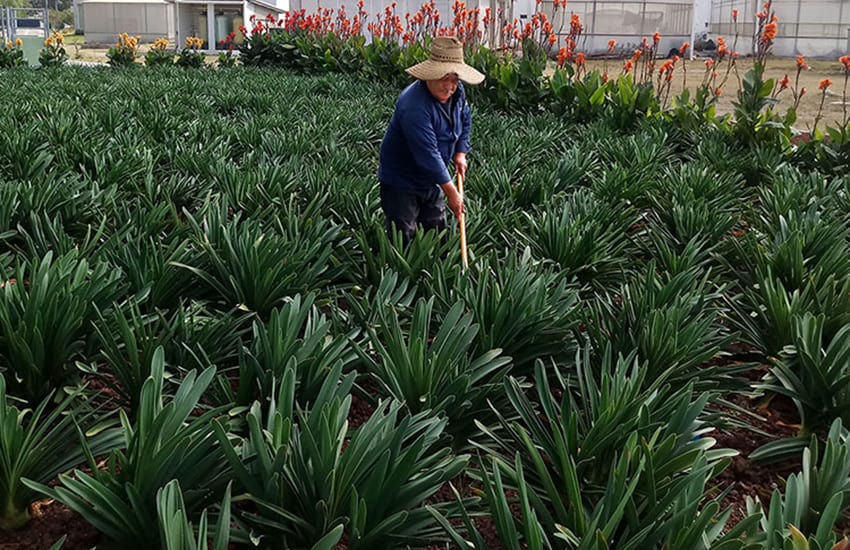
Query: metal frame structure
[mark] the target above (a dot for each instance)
(814, 28)
(10, 19)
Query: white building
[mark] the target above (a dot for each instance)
(814, 28)
(103, 20)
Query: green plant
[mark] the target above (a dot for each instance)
(296, 337)
(531, 535)
(437, 370)
(671, 322)
(191, 335)
(159, 55)
(527, 310)
(585, 237)
(165, 442)
(311, 477)
(124, 52)
(12, 54)
(815, 373)
(191, 55)
(256, 266)
(226, 59)
(177, 532)
(611, 461)
(814, 499)
(38, 444)
(53, 53)
(45, 315)
(263, 48)
(412, 260)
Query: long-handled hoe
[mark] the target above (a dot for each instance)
(462, 223)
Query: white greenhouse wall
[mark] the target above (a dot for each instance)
(814, 28)
(105, 19)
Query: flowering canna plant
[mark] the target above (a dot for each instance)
(159, 54)
(53, 54)
(11, 54)
(226, 59)
(124, 52)
(191, 55)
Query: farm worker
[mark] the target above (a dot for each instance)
(428, 130)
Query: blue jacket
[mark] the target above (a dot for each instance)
(421, 139)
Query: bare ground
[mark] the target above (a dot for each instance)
(833, 107)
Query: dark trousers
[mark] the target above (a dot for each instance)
(407, 209)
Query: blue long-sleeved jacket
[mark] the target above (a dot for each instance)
(421, 139)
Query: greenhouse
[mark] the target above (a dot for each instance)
(814, 28)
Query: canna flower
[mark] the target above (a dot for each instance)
(613, 44)
(709, 63)
(564, 55)
(580, 59)
(824, 84)
(769, 32)
(684, 48)
(628, 66)
(718, 92)
(734, 14)
(656, 37)
(19, 42)
(801, 62)
(845, 60)
(783, 84)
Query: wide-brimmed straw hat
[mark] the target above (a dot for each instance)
(446, 58)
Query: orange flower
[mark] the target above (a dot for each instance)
(684, 48)
(580, 59)
(824, 84)
(783, 84)
(801, 62)
(709, 63)
(734, 14)
(563, 56)
(656, 37)
(613, 44)
(627, 68)
(845, 60)
(551, 38)
(718, 92)
(769, 32)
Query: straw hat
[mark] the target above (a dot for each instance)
(446, 57)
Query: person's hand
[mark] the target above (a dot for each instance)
(460, 164)
(454, 200)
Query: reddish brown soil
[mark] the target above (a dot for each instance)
(747, 477)
(50, 521)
